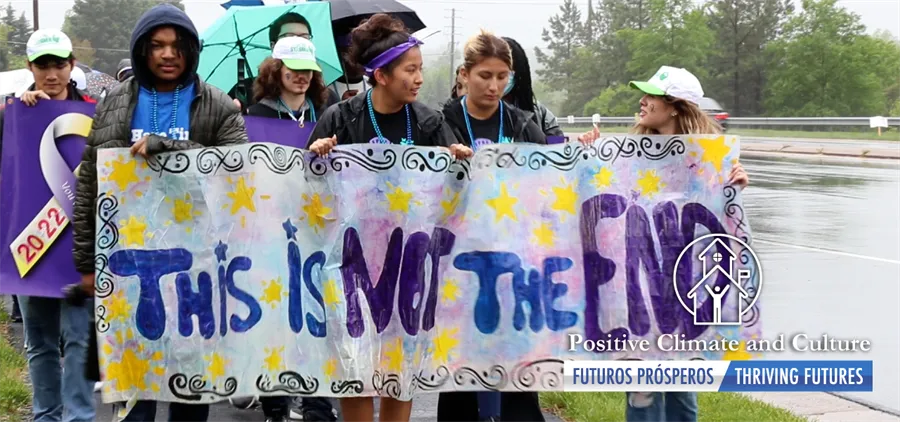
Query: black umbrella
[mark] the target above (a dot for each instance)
(347, 14)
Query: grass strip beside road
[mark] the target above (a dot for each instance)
(892, 135)
(15, 394)
(714, 407)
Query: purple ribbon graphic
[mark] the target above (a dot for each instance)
(57, 174)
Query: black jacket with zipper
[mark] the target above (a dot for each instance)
(524, 129)
(347, 120)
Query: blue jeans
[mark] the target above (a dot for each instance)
(661, 407)
(59, 393)
(145, 411)
(488, 405)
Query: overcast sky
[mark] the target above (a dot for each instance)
(496, 15)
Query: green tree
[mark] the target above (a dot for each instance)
(743, 29)
(107, 26)
(825, 66)
(19, 29)
(563, 38)
(616, 101)
(4, 47)
(677, 35)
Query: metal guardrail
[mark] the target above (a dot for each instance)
(750, 121)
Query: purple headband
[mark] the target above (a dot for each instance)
(391, 54)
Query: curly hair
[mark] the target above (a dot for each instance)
(268, 84)
(690, 120)
(374, 36)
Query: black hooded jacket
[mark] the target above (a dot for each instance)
(215, 121)
(347, 120)
(524, 129)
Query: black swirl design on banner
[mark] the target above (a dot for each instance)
(432, 160)
(102, 325)
(494, 378)
(196, 387)
(433, 381)
(174, 163)
(108, 232)
(614, 147)
(562, 160)
(344, 387)
(461, 169)
(389, 383)
(492, 157)
(546, 374)
(289, 382)
(103, 284)
(368, 159)
(735, 212)
(277, 159)
(210, 160)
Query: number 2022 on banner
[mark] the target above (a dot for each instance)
(37, 237)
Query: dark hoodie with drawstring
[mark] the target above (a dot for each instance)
(214, 121)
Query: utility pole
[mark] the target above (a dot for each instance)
(452, 46)
(34, 17)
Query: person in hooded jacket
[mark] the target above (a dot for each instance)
(520, 93)
(289, 84)
(164, 107)
(481, 116)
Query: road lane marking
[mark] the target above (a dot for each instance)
(831, 251)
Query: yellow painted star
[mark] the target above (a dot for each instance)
(603, 178)
(129, 372)
(566, 198)
(216, 366)
(123, 173)
(649, 183)
(183, 210)
(449, 291)
(132, 231)
(398, 199)
(273, 359)
(332, 295)
(394, 356)
(714, 151)
(443, 345)
(543, 235)
(503, 204)
(242, 197)
(450, 206)
(272, 293)
(117, 307)
(330, 367)
(316, 211)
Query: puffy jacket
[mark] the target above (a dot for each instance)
(215, 121)
(524, 129)
(546, 120)
(347, 118)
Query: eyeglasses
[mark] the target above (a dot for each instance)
(291, 34)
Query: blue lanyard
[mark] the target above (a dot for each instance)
(407, 141)
(312, 111)
(500, 139)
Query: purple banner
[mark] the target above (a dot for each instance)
(284, 132)
(25, 193)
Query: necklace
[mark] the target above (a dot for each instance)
(500, 139)
(312, 112)
(154, 111)
(406, 141)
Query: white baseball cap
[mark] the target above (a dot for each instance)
(672, 81)
(297, 53)
(48, 42)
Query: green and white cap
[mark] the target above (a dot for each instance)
(48, 42)
(297, 53)
(672, 81)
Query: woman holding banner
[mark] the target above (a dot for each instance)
(386, 114)
(670, 106)
(289, 85)
(481, 117)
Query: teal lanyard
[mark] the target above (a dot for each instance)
(500, 139)
(312, 112)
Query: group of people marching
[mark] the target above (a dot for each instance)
(162, 105)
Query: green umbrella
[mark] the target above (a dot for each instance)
(244, 33)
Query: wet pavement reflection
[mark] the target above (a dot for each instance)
(828, 235)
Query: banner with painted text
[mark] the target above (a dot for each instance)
(395, 270)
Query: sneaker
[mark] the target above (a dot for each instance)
(244, 402)
(313, 409)
(98, 386)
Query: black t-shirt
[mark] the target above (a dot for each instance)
(393, 127)
(486, 132)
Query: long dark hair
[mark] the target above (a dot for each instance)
(454, 91)
(374, 36)
(268, 84)
(522, 94)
